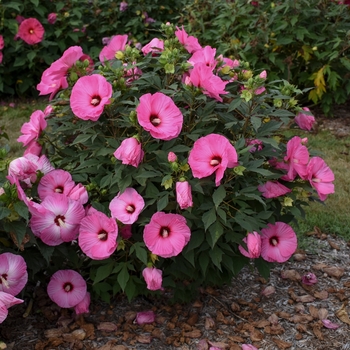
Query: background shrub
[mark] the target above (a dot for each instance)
(304, 42)
(82, 23)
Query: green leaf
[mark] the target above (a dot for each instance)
(163, 202)
(22, 210)
(219, 195)
(35, 2)
(216, 231)
(123, 277)
(208, 218)
(140, 250)
(19, 228)
(263, 267)
(216, 256)
(103, 272)
(234, 104)
(4, 212)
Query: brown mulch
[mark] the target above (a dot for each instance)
(288, 318)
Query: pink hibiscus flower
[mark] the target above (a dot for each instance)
(33, 148)
(127, 206)
(51, 18)
(31, 31)
(98, 236)
(153, 278)
(6, 301)
(184, 194)
(56, 219)
(155, 46)
(159, 115)
(83, 306)
(206, 56)
(190, 43)
(202, 77)
(212, 154)
(13, 273)
(2, 42)
(31, 130)
(130, 152)
(117, 43)
(278, 242)
(305, 121)
(273, 189)
(67, 288)
(253, 241)
(320, 177)
(89, 96)
(166, 234)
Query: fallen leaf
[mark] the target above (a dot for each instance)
(209, 323)
(193, 334)
(292, 275)
(107, 327)
(323, 294)
(281, 344)
(192, 320)
(235, 307)
(317, 332)
(301, 328)
(301, 318)
(130, 316)
(269, 290)
(144, 338)
(319, 266)
(322, 314)
(284, 315)
(78, 334)
(217, 344)
(343, 315)
(202, 345)
(333, 245)
(307, 298)
(54, 332)
(274, 329)
(236, 338)
(261, 323)
(299, 308)
(334, 271)
(273, 319)
(256, 335)
(313, 311)
(299, 257)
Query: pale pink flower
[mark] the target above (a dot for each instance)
(278, 242)
(184, 194)
(153, 278)
(52, 17)
(33, 148)
(48, 110)
(305, 121)
(155, 46)
(212, 154)
(56, 219)
(98, 236)
(309, 279)
(253, 241)
(259, 90)
(31, 31)
(159, 115)
(2, 42)
(32, 130)
(83, 306)
(125, 231)
(172, 157)
(145, 317)
(116, 43)
(263, 74)
(320, 177)
(89, 96)
(79, 193)
(206, 56)
(6, 301)
(297, 158)
(202, 77)
(127, 206)
(190, 43)
(249, 346)
(2, 191)
(13, 273)
(273, 189)
(257, 145)
(166, 234)
(123, 6)
(67, 288)
(130, 152)
(328, 324)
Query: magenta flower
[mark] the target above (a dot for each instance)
(257, 145)
(130, 152)
(172, 157)
(278, 242)
(67, 288)
(320, 177)
(89, 96)
(13, 273)
(31, 130)
(153, 278)
(253, 241)
(166, 234)
(206, 56)
(159, 115)
(31, 31)
(145, 317)
(249, 346)
(309, 279)
(212, 154)
(273, 189)
(57, 219)
(52, 17)
(155, 46)
(305, 121)
(190, 43)
(184, 194)
(48, 110)
(127, 206)
(123, 6)
(6, 301)
(2, 42)
(98, 236)
(125, 231)
(117, 43)
(297, 158)
(329, 324)
(83, 306)
(202, 77)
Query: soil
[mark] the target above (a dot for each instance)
(280, 313)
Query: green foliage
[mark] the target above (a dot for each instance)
(78, 22)
(221, 216)
(305, 42)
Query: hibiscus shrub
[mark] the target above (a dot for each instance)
(35, 33)
(158, 169)
(304, 42)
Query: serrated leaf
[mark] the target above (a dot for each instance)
(219, 195)
(163, 202)
(208, 218)
(216, 230)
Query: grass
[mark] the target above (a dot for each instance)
(331, 217)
